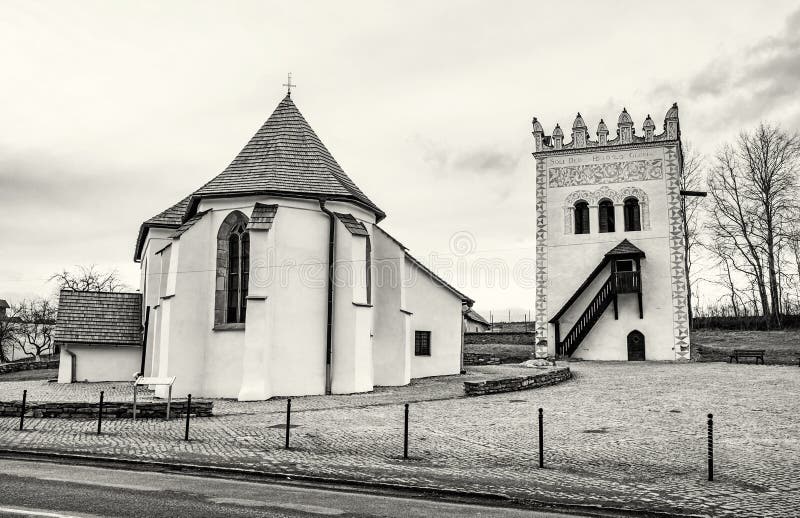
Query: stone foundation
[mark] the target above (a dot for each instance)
(110, 410)
(515, 383)
(480, 359)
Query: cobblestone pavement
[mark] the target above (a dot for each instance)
(618, 434)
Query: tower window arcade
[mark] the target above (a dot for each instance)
(581, 217)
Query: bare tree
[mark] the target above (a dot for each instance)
(771, 157)
(753, 187)
(9, 332)
(732, 221)
(35, 329)
(691, 180)
(88, 278)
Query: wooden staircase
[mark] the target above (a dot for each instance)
(590, 316)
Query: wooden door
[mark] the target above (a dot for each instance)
(635, 346)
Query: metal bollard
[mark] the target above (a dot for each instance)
(711, 447)
(100, 415)
(405, 435)
(541, 438)
(288, 420)
(188, 413)
(22, 410)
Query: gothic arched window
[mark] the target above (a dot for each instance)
(633, 218)
(581, 217)
(233, 270)
(606, 215)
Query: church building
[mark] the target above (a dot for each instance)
(274, 279)
(611, 281)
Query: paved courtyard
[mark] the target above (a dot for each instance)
(618, 434)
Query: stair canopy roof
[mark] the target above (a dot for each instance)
(624, 250)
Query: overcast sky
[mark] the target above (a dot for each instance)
(113, 111)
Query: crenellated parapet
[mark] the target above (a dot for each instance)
(626, 133)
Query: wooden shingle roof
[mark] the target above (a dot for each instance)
(189, 224)
(625, 248)
(350, 222)
(262, 217)
(99, 318)
(284, 157)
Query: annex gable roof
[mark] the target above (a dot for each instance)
(99, 318)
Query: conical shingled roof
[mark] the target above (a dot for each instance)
(285, 156)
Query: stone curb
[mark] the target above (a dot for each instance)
(489, 499)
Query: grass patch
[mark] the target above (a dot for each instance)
(712, 345)
(508, 353)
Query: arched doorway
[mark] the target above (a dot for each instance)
(635, 346)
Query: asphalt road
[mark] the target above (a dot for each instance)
(43, 489)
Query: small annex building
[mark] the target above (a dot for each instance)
(99, 335)
(274, 279)
(474, 322)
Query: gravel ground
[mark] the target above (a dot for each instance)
(618, 434)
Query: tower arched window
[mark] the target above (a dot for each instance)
(606, 215)
(233, 270)
(581, 217)
(633, 218)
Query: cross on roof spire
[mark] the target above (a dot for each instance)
(289, 85)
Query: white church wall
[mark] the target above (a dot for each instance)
(99, 363)
(352, 347)
(297, 290)
(438, 310)
(256, 381)
(189, 297)
(391, 344)
(151, 286)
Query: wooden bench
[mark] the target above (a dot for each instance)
(758, 354)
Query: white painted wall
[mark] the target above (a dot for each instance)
(392, 347)
(99, 363)
(437, 310)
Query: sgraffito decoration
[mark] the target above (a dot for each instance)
(541, 250)
(680, 315)
(609, 172)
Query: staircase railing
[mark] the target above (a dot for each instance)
(628, 282)
(589, 317)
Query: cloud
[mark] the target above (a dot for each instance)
(758, 83)
(486, 161)
(713, 81)
(479, 161)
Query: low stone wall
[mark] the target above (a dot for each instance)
(500, 338)
(515, 383)
(27, 366)
(480, 359)
(111, 409)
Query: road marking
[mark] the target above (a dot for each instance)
(100, 483)
(33, 512)
(313, 509)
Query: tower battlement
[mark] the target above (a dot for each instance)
(626, 133)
